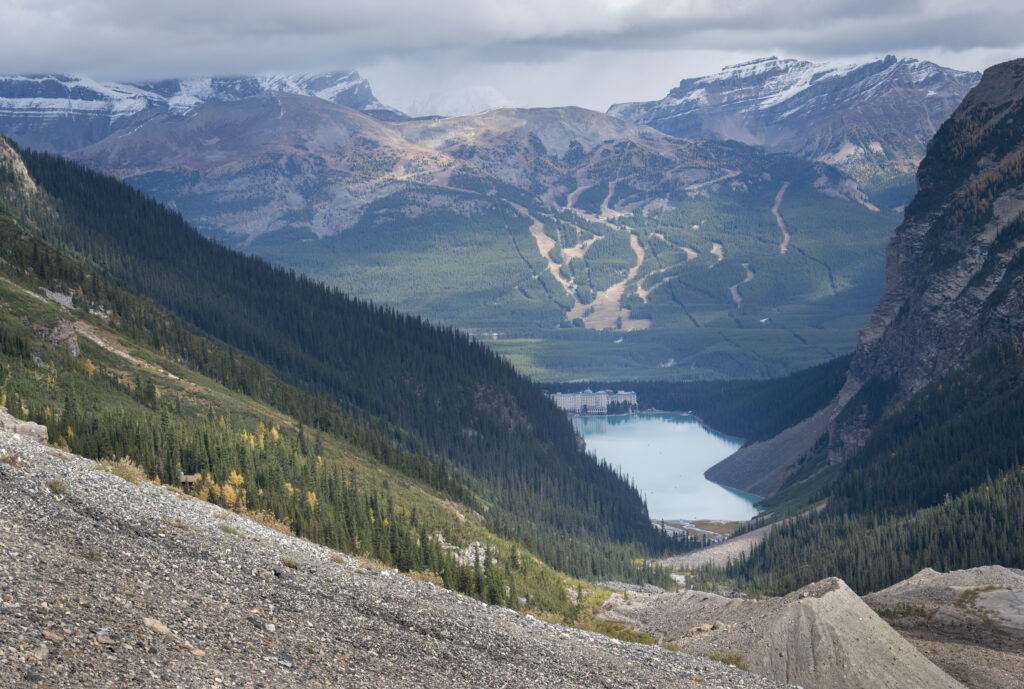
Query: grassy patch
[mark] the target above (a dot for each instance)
(226, 528)
(57, 486)
(902, 610)
(427, 576)
(729, 658)
(720, 527)
(290, 563)
(588, 606)
(178, 523)
(968, 601)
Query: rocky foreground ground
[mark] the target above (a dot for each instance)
(822, 636)
(104, 583)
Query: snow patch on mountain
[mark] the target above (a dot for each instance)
(52, 95)
(769, 83)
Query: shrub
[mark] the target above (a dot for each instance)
(226, 528)
(290, 563)
(269, 519)
(729, 658)
(124, 468)
(57, 486)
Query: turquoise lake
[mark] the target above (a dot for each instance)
(666, 456)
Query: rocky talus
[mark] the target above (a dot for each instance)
(822, 636)
(105, 583)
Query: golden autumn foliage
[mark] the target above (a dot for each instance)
(228, 496)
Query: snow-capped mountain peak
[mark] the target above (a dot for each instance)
(61, 103)
(863, 117)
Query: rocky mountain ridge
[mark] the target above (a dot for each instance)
(872, 120)
(954, 272)
(60, 113)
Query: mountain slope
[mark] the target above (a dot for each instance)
(136, 585)
(547, 232)
(110, 375)
(394, 372)
(61, 113)
(872, 120)
(954, 267)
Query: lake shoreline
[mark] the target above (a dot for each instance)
(665, 454)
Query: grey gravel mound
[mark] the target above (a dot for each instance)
(928, 585)
(969, 621)
(822, 636)
(108, 584)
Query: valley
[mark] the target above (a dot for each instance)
(274, 356)
(547, 233)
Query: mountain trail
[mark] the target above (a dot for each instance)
(716, 180)
(778, 218)
(607, 305)
(544, 245)
(606, 210)
(570, 201)
(734, 289)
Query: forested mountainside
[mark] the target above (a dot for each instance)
(920, 464)
(436, 405)
(872, 120)
(549, 233)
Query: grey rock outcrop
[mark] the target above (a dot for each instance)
(28, 429)
(967, 621)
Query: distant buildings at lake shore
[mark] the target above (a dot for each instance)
(590, 402)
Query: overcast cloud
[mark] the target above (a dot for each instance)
(465, 55)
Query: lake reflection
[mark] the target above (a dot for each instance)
(666, 456)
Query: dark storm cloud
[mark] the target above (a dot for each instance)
(132, 39)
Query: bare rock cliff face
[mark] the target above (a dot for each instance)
(955, 268)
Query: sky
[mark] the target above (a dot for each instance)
(460, 56)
